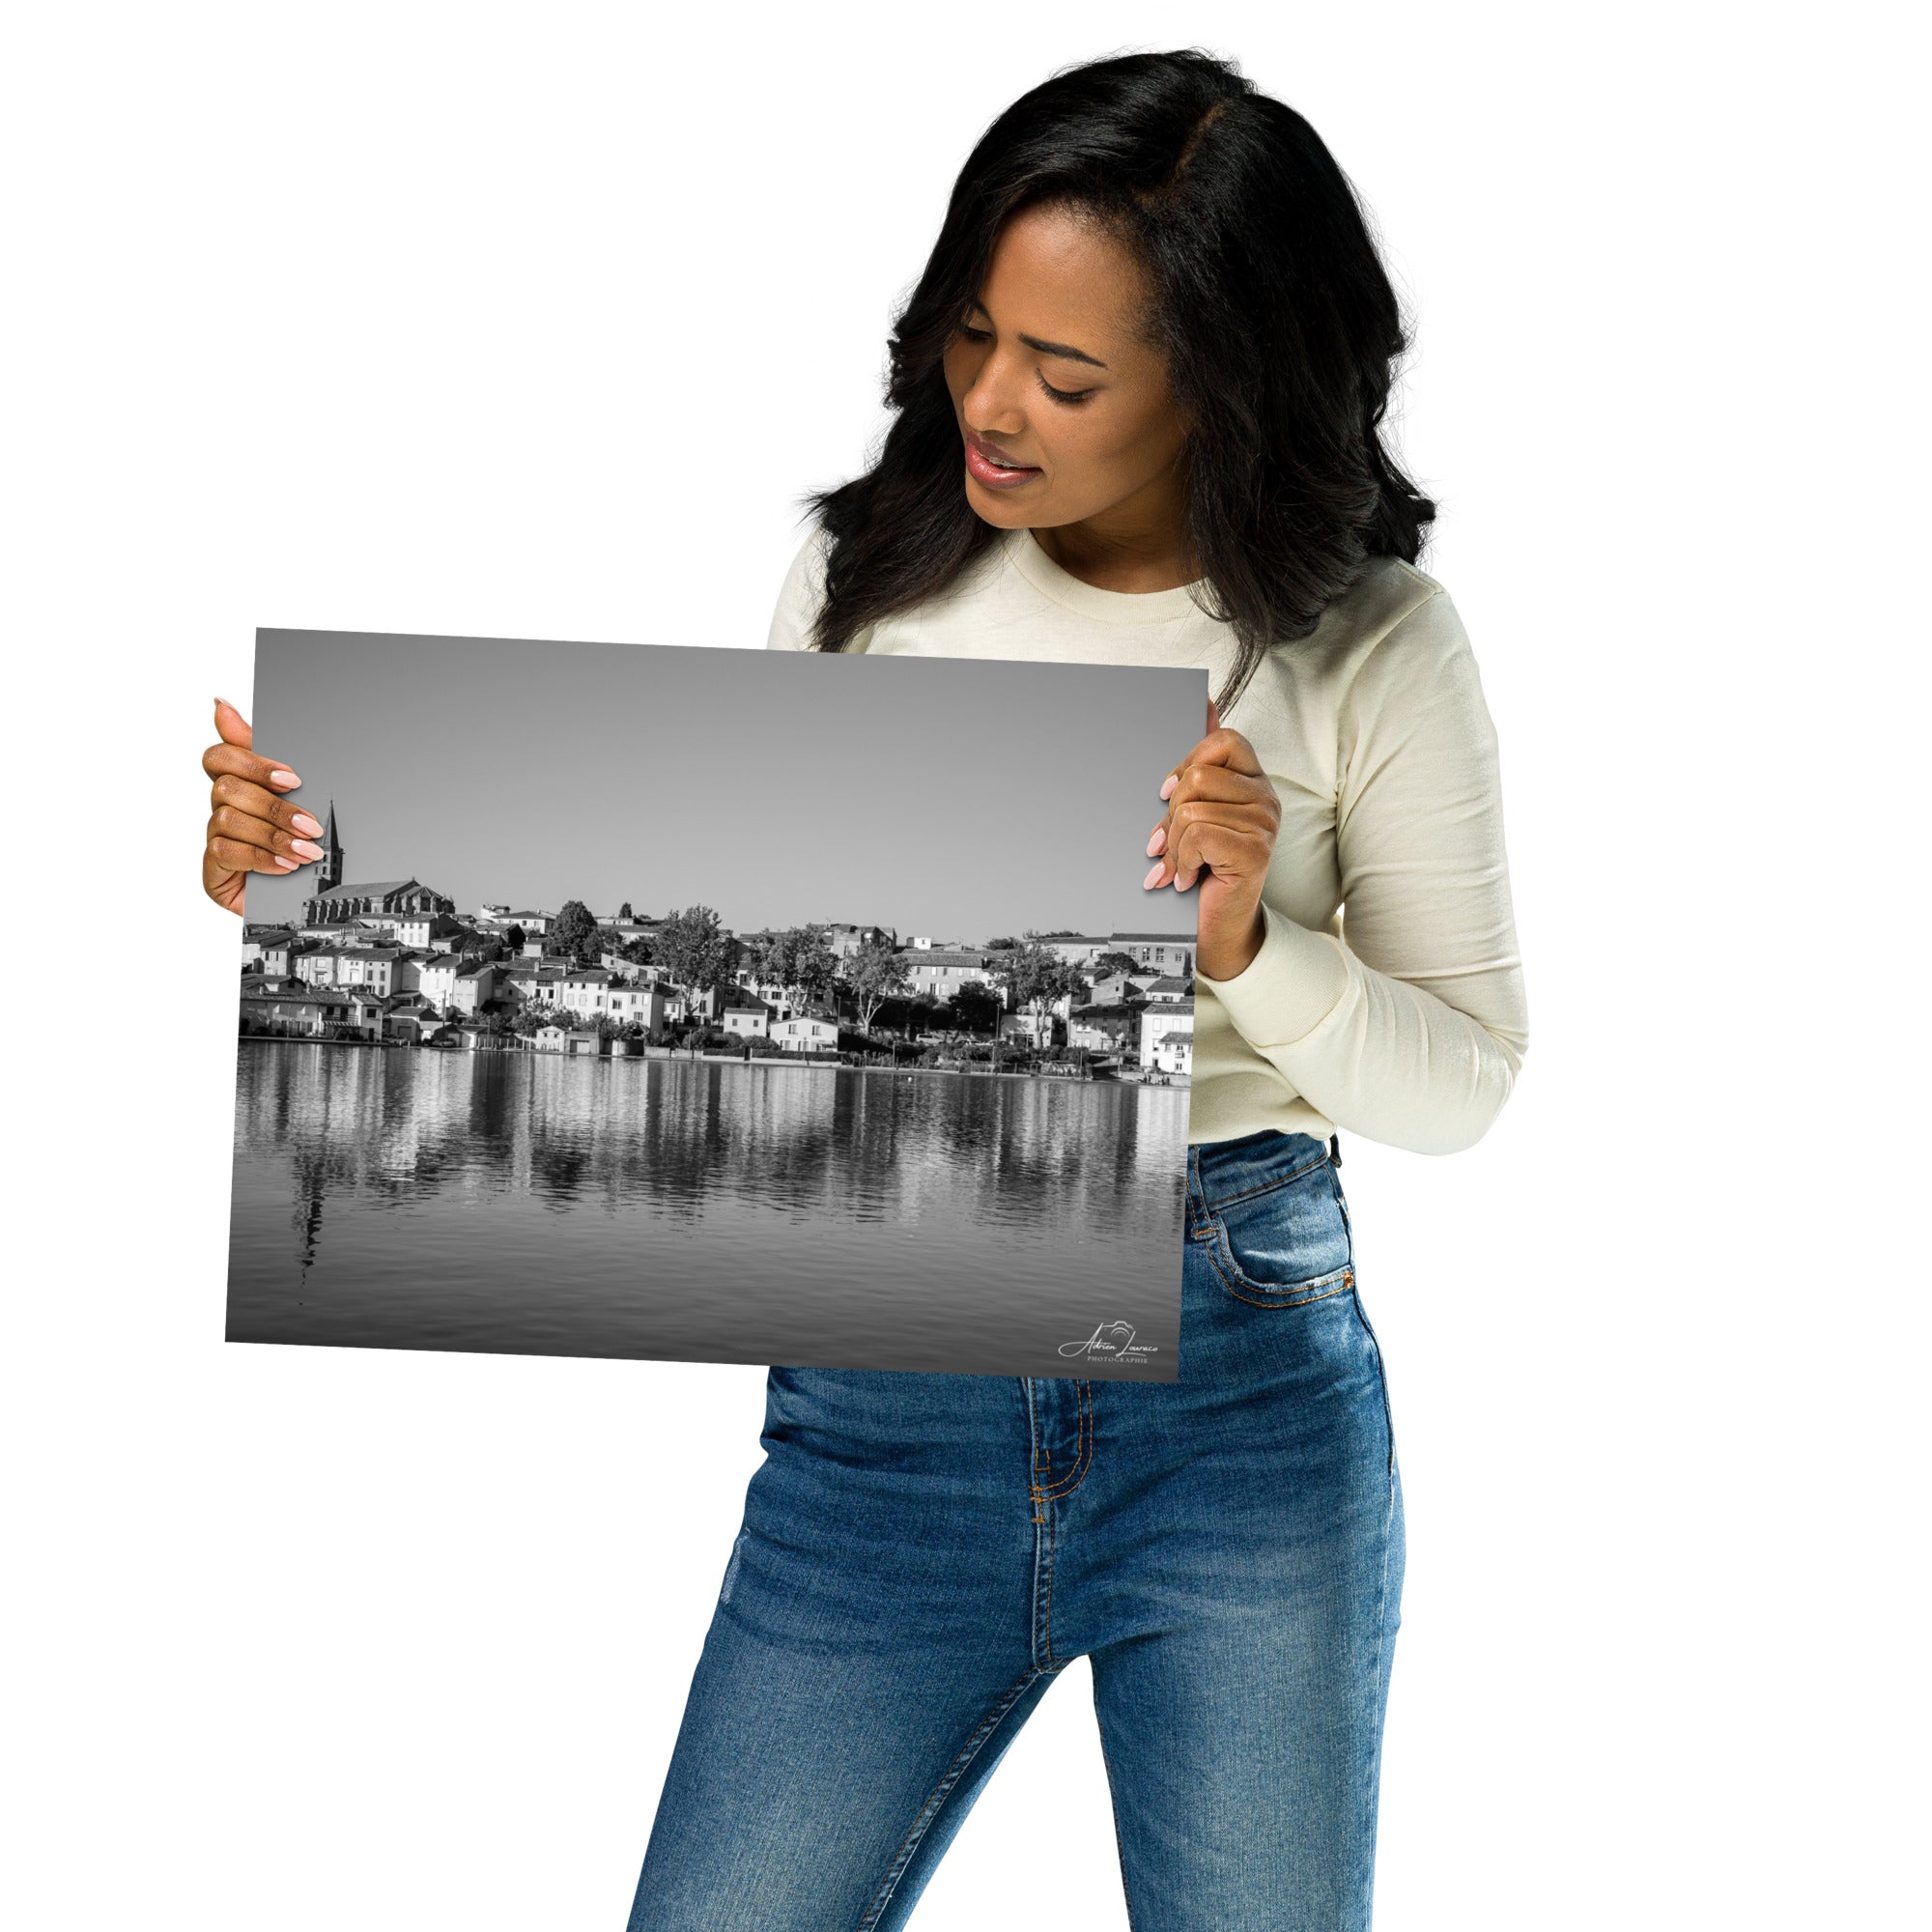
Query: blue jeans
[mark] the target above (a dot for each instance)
(923, 1554)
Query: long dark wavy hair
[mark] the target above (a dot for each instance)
(1279, 326)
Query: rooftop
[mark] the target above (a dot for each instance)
(375, 889)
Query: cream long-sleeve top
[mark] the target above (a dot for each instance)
(1387, 997)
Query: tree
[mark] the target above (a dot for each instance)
(574, 931)
(695, 950)
(638, 951)
(624, 910)
(516, 939)
(875, 974)
(800, 960)
(1110, 963)
(977, 1007)
(1035, 976)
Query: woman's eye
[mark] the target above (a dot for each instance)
(1064, 396)
(971, 334)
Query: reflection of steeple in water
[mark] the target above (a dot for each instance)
(311, 1185)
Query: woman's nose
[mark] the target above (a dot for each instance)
(989, 406)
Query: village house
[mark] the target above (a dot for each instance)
(316, 965)
(539, 984)
(806, 1033)
(699, 1002)
(1038, 1030)
(644, 1006)
(474, 987)
(1165, 952)
(570, 1041)
(845, 939)
(417, 931)
(1115, 987)
(1160, 952)
(436, 977)
(1076, 948)
(382, 968)
(271, 951)
(938, 971)
(408, 1018)
(746, 1017)
(335, 932)
(1106, 1028)
(1169, 989)
(293, 1008)
(255, 939)
(1167, 1037)
(582, 990)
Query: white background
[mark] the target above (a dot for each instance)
(535, 323)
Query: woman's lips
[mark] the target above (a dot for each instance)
(996, 475)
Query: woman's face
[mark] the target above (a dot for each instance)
(1055, 315)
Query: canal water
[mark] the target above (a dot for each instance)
(722, 1211)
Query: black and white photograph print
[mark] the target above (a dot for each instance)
(597, 1030)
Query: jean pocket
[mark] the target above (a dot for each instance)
(1286, 1242)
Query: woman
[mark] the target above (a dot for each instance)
(1137, 399)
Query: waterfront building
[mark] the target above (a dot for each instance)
(938, 971)
(1167, 1036)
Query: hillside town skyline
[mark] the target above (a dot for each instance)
(394, 962)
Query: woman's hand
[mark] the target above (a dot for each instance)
(252, 827)
(1222, 817)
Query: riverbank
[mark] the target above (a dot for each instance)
(1117, 1077)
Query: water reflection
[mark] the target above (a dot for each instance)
(711, 1209)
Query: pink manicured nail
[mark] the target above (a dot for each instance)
(307, 848)
(283, 779)
(287, 864)
(1153, 875)
(305, 825)
(1158, 840)
(1173, 780)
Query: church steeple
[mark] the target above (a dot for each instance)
(329, 875)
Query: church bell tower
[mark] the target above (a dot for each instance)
(329, 873)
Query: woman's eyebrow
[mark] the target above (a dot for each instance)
(1066, 349)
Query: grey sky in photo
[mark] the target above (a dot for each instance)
(959, 798)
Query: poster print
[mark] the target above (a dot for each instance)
(717, 1004)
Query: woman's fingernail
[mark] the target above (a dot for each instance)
(1173, 780)
(306, 849)
(287, 864)
(1158, 840)
(1153, 875)
(283, 779)
(305, 825)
